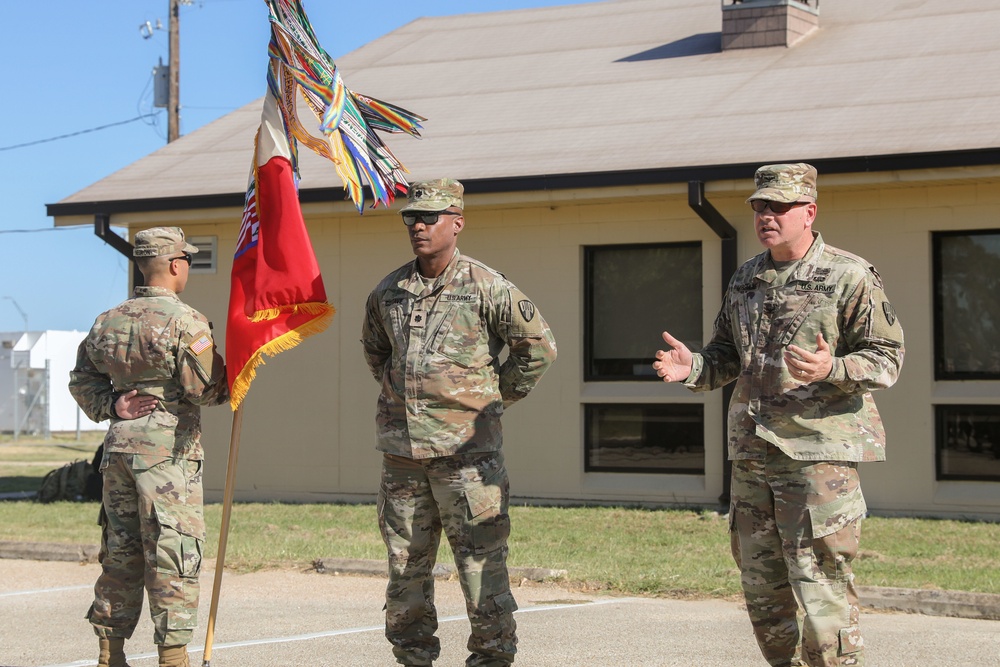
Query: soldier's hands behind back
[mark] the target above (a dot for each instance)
(132, 405)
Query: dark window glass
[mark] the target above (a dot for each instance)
(633, 293)
(967, 305)
(651, 438)
(968, 442)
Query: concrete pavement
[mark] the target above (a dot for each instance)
(305, 619)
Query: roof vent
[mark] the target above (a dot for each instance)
(751, 24)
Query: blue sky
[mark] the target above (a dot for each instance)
(76, 66)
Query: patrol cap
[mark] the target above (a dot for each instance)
(434, 195)
(785, 182)
(158, 241)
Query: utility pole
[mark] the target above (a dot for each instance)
(174, 95)
(17, 369)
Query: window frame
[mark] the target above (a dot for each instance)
(941, 435)
(589, 252)
(588, 418)
(940, 371)
(208, 246)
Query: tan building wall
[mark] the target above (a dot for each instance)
(308, 429)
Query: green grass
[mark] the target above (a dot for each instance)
(676, 553)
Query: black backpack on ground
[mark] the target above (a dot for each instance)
(78, 480)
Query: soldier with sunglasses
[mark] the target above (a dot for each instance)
(148, 365)
(807, 333)
(433, 334)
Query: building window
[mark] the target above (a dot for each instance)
(647, 438)
(966, 307)
(205, 260)
(968, 442)
(633, 293)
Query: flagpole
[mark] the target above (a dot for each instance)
(227, 506)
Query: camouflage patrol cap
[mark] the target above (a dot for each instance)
(158, 241)
(785, 182)
(434, 195)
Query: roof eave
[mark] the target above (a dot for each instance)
(704, 173)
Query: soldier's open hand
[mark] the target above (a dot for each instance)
(675, 364)
(132, 405)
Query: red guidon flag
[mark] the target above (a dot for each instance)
(277, 296)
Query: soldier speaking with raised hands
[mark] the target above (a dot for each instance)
(807, 333)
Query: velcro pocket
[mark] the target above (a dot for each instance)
(850, 640)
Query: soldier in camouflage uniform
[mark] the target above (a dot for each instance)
(149, 365)
(432, 336)
(807, 332)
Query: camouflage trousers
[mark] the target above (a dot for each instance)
(153, 529)
(795, 527)
(466, 496)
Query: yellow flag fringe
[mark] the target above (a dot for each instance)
(286, 341)
(311, 308)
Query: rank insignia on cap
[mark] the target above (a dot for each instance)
(201, 344)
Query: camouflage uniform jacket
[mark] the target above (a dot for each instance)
(830, 292)
(159, 345)
(435, 352)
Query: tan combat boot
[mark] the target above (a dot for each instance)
(173, 656)
(112, 653)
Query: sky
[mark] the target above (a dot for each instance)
(79, 106)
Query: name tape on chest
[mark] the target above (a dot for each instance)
(460, 298)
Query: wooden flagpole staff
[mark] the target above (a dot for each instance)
(278, 298)
(227, 506)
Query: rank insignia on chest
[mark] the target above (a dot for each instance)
(417, 318)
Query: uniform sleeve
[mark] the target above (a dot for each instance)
(531, 345)
(374, 340)
(718, 363)
(201, 370)
(870, 352)
(92, 389)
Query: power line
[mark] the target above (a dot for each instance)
(69, 228)
(74, 134)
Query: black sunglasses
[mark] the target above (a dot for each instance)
(185, 257)
(411, 218)
(777, 207)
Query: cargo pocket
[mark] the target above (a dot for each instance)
(489, 521)
(182, 532)
(177, 553)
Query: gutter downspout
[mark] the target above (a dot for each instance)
(725, 231)
(102, 229)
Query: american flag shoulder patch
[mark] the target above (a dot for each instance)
(201, 344)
